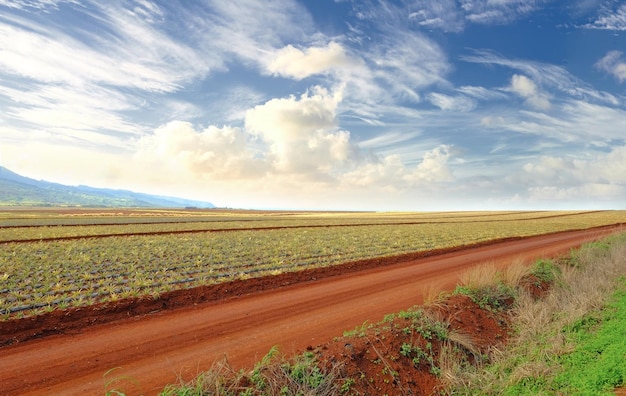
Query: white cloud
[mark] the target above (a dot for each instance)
(293, 62)
(391, 173)
(493, 121)
(481, 93)
(527, 89)
(218, 153)
(433, 168)
(388, 139)
(288, 141)
(302, 132)
(601, 176)
(453, 16)
(444, 15)
(405, 62)
(498, 11)
(401, 61)
(613, 64)
(86, 107)
(610, 18)
(546, 75)
(132, 50)
(141, 57)
(452, 103)
(34, 4)
(252, 30)
(384, 172)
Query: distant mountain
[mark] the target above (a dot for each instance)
(16, 190)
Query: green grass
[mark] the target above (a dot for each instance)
(598, 364)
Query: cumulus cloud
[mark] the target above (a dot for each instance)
(601, 176)
(298, 64)
(434, 167)
(614, 64)
(302, 132)
(219, 153)
(527, 89)
(391, 173)
(293, 140)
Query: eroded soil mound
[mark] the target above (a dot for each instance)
(409, 353)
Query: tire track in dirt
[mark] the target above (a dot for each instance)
(158, 349)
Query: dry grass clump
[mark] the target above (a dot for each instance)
(487, 274)
(273, 375)
(583, 282)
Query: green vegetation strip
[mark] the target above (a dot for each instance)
(598, 365)
(572, 341)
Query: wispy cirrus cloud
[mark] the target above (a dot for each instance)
(545, 75)
(251, 30)
(612, 16)
(452, 103)
(131, 50)
(133, 55)
(453, 16)
(498, 12)
(444, 15)
(34, 4)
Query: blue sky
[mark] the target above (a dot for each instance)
(321, 104)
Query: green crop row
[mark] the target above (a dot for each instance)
(130, 225)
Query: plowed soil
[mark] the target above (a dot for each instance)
(68, 353)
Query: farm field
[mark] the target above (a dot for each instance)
(167, 346)
(58, 259)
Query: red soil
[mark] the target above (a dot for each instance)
(155, 345)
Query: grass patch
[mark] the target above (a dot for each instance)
(572, 341)
(545, 270)
(273, 375)
(598, 364)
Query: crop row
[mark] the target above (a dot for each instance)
(21, 233)
(38, 276)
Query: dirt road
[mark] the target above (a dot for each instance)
(158, 349)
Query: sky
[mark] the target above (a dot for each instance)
(413, 105)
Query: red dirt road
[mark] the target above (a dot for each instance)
(158, 349)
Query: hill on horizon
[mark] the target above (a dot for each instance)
(17, 190)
